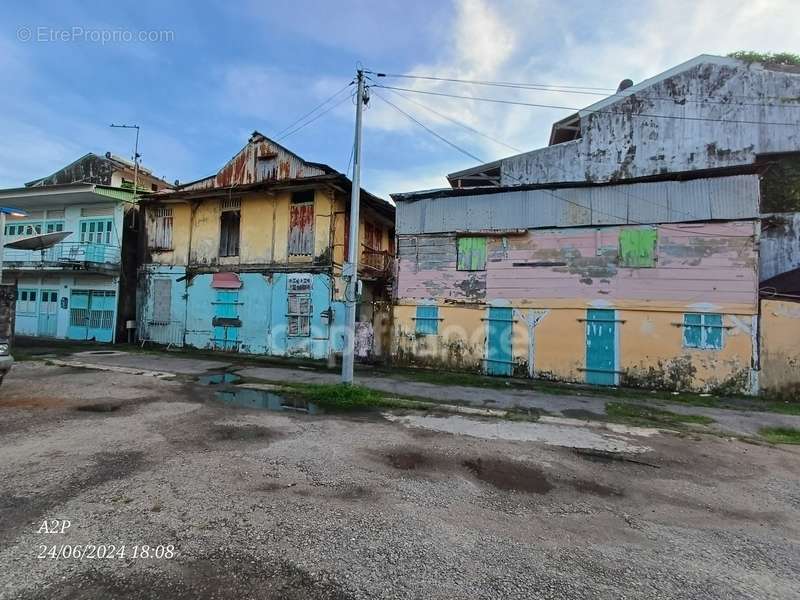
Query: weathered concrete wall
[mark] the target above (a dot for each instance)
(779, 249)
(710, 263)
(711, 112)
(7, 304)
(651, 352)
(780, 349)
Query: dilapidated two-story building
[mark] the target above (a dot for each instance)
(250, 259)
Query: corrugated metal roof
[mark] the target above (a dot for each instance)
(735, 197)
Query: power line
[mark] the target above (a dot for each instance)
(572, 108)
(495, 83)
(459, 123)
(313, 110)
(429, 130)
(317, 116)
(592, 91)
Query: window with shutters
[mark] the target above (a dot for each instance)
(427, 319)
(162, 301)
(161, 235)
(471, 254)
(637, 247)
(301, 224)
(299, 308)
(229, 228)
(702, 330)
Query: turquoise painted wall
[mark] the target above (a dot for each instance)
(262, 307)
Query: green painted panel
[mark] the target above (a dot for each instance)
(471, 253)
(637, 247)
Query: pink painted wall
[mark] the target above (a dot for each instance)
(702, 262)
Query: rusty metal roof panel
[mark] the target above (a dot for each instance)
(734, 197)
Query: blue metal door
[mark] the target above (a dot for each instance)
(91, 315)
(101, 315)
(601, 347)
(499, 327)
(48, 313)
(226, 320)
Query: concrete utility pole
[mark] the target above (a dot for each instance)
(135, 157)
(350, 270)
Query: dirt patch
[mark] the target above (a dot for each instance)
(243, 433)
(99, 407)
(353, 493)
(220, 576)
(585, 486)
(509, 475)
(406, 460)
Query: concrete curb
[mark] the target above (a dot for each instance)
(112, 368)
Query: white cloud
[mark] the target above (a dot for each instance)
(561, 43)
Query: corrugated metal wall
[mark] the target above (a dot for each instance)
(722, 198)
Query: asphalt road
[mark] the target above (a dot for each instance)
(244, 503)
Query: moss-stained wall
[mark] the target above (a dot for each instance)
(780, 349)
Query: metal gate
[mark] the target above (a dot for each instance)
(91, 315)
(601, 347)
(499, 326)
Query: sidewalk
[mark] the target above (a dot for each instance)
(737, 422)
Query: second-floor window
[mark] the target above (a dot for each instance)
(161, 236)
(97, 231)
(471, 254)
(301, 224)
(637, 247)
(229, 227)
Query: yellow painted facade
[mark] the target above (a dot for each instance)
(651, 350)
(780, 348)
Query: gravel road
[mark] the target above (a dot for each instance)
(259, 504)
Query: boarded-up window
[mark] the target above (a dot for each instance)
(427, 319)
(162, 300)
(372, 254)
(299, 308)
(637, 247)
(161, 235)
(471, 253)
(702, 330)
(301, 224)
(229, 228)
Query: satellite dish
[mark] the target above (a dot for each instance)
(39, 242)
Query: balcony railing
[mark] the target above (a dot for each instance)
(64, 254)
(377, 262)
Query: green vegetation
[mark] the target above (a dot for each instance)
(768, 58)
(647, 416)
(780, 435)
(341, 397)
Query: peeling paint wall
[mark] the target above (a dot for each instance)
(779, 249)
(780, 349)
(709, 262)
(618, 142)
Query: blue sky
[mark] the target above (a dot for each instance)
(227, 68)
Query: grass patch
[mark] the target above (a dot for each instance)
(636, 414)
(780, 435)
(339, 396)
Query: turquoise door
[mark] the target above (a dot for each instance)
(226, 320)
(91, 315)
(102, 304)
(48, 313)
(96, 238)
(601, 347)
(499, 326)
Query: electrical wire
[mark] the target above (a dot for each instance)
(575, 109)
(317, 116)
(313, 110)
(592, 210)
(592, 91)
(459, 123)
(429, 130)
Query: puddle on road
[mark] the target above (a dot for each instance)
(261, 399)
(218, 379)
(509, 475)
(569, 436)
